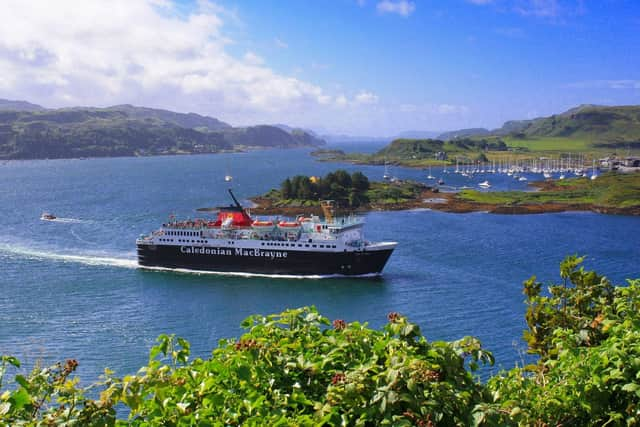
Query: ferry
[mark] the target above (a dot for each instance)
(236, 243)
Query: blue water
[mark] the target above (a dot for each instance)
(71, 289)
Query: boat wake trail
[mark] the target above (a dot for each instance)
(249, 275)
(69, 220)
(80, 259)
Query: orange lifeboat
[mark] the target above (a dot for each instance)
(289, 225)
(262, 225)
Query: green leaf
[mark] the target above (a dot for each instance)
(243, 372)
(20, 379)
(11, 360)
(20, 398)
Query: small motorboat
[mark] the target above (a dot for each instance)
(484, 184)
(46, 216)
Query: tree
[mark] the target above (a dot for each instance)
(286, 189)
(359, 182)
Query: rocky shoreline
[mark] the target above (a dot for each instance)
(446, 202)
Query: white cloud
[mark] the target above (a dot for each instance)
(552, 10)
(450, 109)
(341, 100)
(400, 7)
(279, 43)
(253, 59)
(144, 52)
(319, 66)
(540, 8)
(364, 97)
(605, 84)
(156, 53)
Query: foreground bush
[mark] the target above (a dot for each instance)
(299, 368)
(586, 333)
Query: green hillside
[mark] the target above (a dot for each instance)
(603, 126)
(421, 152)
(584, 128)
(128, 131)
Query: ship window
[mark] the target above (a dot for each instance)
(313, 246)
(306, 245)
(322, 246)
(299, 245)
(333, 246)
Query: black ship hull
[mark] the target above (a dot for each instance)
(257, 261)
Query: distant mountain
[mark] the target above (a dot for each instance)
(418, 134)
(189, 120)
(126, 130)
(270, 136)
(290, 129)
(6, 104)
(463, 133)
(601, 125)
(333, 138)
(410, 134)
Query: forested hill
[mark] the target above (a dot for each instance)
(7, 104)
(28, 131)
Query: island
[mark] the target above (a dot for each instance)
(610, 193)
(349, 192)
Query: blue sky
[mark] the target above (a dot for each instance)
(367, 67)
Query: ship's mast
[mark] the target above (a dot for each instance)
(234, 199)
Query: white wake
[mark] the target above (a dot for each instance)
(81, 259)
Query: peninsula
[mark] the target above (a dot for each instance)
(611, 193)
(29, 131)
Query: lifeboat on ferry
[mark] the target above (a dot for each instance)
(262, 225)
(289, 226)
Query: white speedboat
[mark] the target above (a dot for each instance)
(46, 216)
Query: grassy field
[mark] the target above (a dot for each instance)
(611, 190)
(551, 144)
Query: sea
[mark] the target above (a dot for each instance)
(71, 288)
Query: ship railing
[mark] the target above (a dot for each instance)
(345, 221)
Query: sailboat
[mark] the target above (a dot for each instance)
(594, 174)
(430, 176)
(386, 176)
